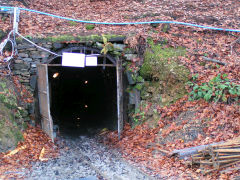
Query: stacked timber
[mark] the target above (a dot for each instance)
(218, 156)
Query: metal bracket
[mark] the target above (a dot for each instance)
(16, 20)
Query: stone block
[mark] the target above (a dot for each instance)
(31, 49)
(119, 47)
(24, 80)
(20, 66)
(24, 46)
(33, 81)
(36, 56)
(45, 54)
(130, 57)
(27, 59)
(18, 61)
(23, 55)
(47, 46)
(57, 45)
(25, 74)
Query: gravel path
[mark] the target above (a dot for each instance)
(85, 158)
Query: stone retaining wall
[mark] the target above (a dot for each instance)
(25, 65)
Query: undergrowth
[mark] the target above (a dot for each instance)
(218, 89)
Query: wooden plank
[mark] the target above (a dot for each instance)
(226, 150)
(119, 97)
(101, 65)
(44, 101)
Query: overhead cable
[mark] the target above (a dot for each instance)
(126, 23)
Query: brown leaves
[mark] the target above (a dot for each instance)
(35, 141)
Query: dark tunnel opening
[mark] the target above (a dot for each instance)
(83, 100)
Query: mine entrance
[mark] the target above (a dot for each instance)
(80, 100)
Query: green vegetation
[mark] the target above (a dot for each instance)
(72, 23)
(107, 46)
(11, 117)
(217, 89)
(159, 62)
(138, 116)
(89, 26)
(164, 76)
(69, 37)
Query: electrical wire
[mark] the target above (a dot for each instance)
(7, 59)
(126, 23)
(37, 45)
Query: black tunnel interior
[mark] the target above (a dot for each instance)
(83, 100)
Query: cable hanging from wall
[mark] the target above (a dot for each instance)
(14, 32)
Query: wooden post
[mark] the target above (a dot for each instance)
(119, 97)
(43, 95)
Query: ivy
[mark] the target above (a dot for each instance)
(220, 88)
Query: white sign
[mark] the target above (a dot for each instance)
(73, 59)
(91, 60)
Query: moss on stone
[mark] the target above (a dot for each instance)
(69, 37)
(10, 126)
(166, 75)
(10, 132)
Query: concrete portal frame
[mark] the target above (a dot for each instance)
(43, 86)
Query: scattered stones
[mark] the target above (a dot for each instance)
(86, 159)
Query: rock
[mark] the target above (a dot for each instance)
(33, 81)
(10, 127)
(23, 55)
(45, 54)
(36, 56)
(57, 45)
(47, 46)
(99, 45)
(28, 59)
(119, 47)
(129, 51)
(24, 80)
(33, 65)
(88, 178)
(31, 49)
(18, 61)
(130, 57)
(26, 74)
(20, 66)
(24, 46)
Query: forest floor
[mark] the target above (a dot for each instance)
(216, 121)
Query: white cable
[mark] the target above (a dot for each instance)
(37, 45)
(4, 43)
(7, 59)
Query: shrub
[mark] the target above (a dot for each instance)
(220, 88)
(90, 26)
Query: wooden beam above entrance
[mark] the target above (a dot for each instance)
(101, 65)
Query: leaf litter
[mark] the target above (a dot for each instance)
(139, 145)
